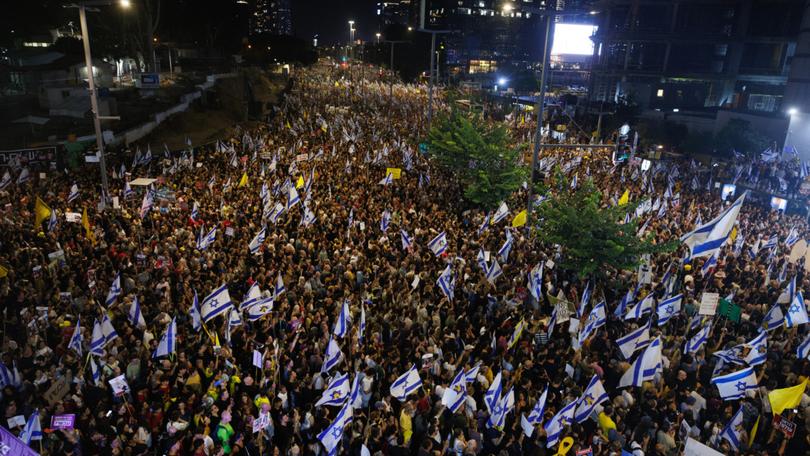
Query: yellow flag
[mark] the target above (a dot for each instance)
(244, 180)
(395, 173)
(519, 219)
(733, 235)
(86, 224)
(300, 182)
(753, 432)
(3, 271)
(288, 125)
(625, 198)
(786, 397)
(41, 212)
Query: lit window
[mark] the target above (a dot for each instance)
(660, 93)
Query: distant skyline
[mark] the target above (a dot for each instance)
(329, 19)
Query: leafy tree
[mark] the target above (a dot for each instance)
(738, 135)
(593, 238)
(479, 154)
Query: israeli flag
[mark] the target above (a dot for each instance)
(641, 308)
(484, 224)
(596, 319)
(438, 244)
(555, 425)
(645, 367)
(107, 329)
(707, 239)
(332, 357)
(24, 176)
(709, 264)
(362, 327)
(115, 290)
(342, 324)
(406, 384)
(583, 302)
(168, 343)
(337, 392)
(668, 308)
(505, 405)
(494, 271)
(128, 192)
(636, 340)
(493, 394)
(5, 181)
(774, 318)
(481, 259)
(797, 312)
(75, 343)
(355, 398)
(732, 433)
(308, 218)
(593, 395)
(697, 341)
(503, 253)
(32, 429)
(792, 237)
(52, 221)
(536, 415)
(257, 241)
(279, 289)
(206, 241)
(758, 352)
(259, 309)
(135, 315)
(455, 394)
(385, 220)
(216, 303)
(447, 283)
(234, 318)
(387, 180)
(733, 386)
(536, 281)
(97, 340)
(194, 312)
(406, 240)
(292, 197)
(147, 203)
(148, 157)
(626, 299)
(332, 436)
(803, 351)
(95, 373)
(74, 193)
(501, 213)
(574, 182)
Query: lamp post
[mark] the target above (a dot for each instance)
(792, 112)
(91, 84)
(351, 39)
(378, 35)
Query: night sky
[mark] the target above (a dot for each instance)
(329, 19)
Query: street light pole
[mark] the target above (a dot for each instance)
(88, 59)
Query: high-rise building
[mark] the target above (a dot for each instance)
(272, 16)
(402, 12)
(695, 54)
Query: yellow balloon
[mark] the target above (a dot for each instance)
(565, 445)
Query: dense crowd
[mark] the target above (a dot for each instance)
(336, 271)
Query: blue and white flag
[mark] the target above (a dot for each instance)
(472, 373)
(75, 343)
(711, 263)
(24, 176)
(707, 239)
(216, 303)
(635, 340)
(774, 318)
(484, 224)
(342, 323)
(253, 295)
(147, 203)
(574, 182)
(596, 319)
(501, 213)
(332, 357)
(536, 415)
(494, 271)
(505, 405)
(668, 308)
(259, 308)
(97, 340)
(194, 312)
(332, 436)
(697, 341)
(257, 241)
(362, 327)
(115, 290)
(758, 350)
(406, 384)
(593, 395)
(555, 425)
(493, 394)
(536, 281)
(32, 429)
(640, 309)
(6, 180)
(52, 221)
(792, 237)
(732, 433)
(385, 220)
(355, 398)
(135, 315)
(455, 394)
(797, 312)
(168, 343)
(205, 241)
(95, 372)
(803, 350)
(128, 192)
(583, 302)
(107, 329)
(292, 197)
(622, 307)
(74, 193)
(387, 180)
(447, 282)
(772, 242)
(337, 392)
(279, 289)
(438, 244)
(645, 367)
(733, 386)
(503, 252)
(406, 240)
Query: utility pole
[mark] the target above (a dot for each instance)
(432, 58)
(391, 67)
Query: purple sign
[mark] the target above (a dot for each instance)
(12, 446)
(63, 421)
